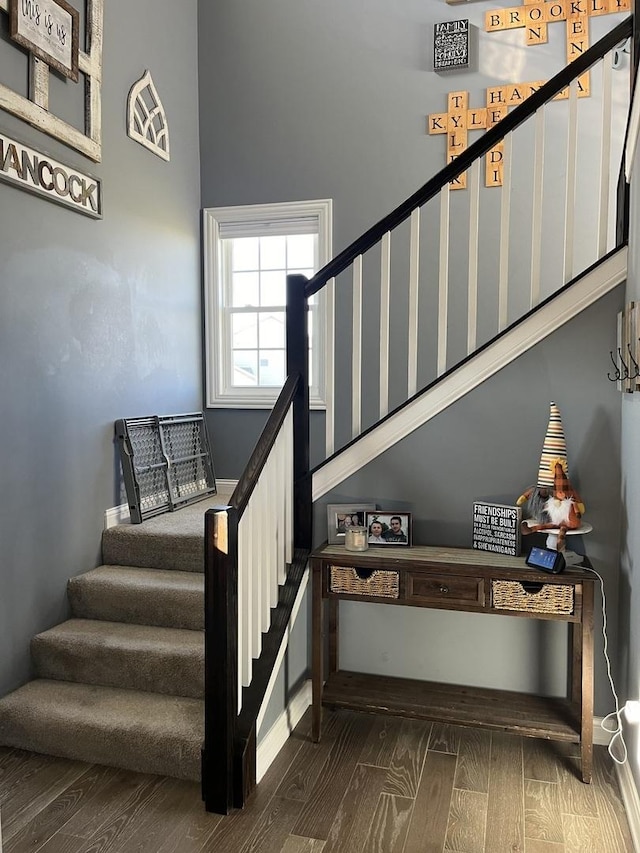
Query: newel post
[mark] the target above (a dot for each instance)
(298, 363)
(220, 657)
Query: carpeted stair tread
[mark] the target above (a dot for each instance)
(173, 540)
(117, 654)
(140, 596)
(145, 732)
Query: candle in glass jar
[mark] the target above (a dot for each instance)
(355, 538)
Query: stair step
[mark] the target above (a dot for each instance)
(140, 596)
(116, 654)
(172, 541)
(145, 732)
(139, 545)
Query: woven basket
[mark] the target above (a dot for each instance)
(552, 598)
(380, 584)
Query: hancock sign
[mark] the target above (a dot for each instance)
(27, 168)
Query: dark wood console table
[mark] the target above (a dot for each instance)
(463, 580)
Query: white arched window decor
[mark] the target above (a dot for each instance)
(146, 119)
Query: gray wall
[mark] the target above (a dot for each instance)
(329, 100)
(487, 446)
(98, 319)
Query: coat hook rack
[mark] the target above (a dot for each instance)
(626, 357)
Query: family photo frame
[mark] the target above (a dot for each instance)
(341, 516)
(385, 527)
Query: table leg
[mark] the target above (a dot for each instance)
(333, 661)
(586, 704)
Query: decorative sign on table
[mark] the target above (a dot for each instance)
(48, 29)
(38, 173)
(496, 527)
(451, 45)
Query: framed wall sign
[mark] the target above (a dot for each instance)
(34, 108)
(49, 30)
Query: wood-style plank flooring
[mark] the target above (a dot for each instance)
(372, 785)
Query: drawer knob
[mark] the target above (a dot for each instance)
(444, 589)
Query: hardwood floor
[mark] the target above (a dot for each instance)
(372, 785)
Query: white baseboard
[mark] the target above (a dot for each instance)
(115, 515)
(631, 801)
(120, 514)
(276, 737)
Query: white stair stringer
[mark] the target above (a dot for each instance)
(549, 317)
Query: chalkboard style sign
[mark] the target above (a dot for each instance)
(451, 45)
(496, 527)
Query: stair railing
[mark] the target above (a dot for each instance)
(256, 552)
(256, 547)
(484, 255)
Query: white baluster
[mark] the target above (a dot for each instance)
(356, 369)
(330, 365)
(505, 213)
(605, 157)
(385, 289)
(474, 222)
(414, 275)
(443, 282)
(570, 194)
(536, 211)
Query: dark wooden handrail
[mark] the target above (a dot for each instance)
(247, 482)
(464, 160)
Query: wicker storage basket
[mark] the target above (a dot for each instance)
(380, 583)
(551, 598)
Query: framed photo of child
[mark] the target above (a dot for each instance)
(388, 528)
(341, 516)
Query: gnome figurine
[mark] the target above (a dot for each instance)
(553, 503)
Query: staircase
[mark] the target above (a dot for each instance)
(122, 681)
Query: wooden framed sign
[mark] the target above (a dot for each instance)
(49, 30)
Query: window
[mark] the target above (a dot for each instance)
(248, 253)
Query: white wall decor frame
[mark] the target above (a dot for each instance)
(146, 118)
(34, 109)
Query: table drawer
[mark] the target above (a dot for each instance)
(376, 583)
(437, 589)
(533, 597)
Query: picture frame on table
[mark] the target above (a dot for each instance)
(387, 527)
(340, 516)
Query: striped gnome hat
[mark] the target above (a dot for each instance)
(554, 450)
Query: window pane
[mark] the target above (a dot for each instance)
(272, 368)
(244, 331)
(272, 329)
(244, 254)
(245, 289)
(301, 250)
(273, 255)
(273, 288)
(245, 368)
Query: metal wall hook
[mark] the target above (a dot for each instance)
(625, 369)
(617, 376)
(636, 366)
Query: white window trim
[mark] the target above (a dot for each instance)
(218, 393)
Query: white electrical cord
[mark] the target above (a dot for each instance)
(617, 736)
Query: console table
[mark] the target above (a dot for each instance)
(463, 580)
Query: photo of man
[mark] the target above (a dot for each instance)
(395, 533)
